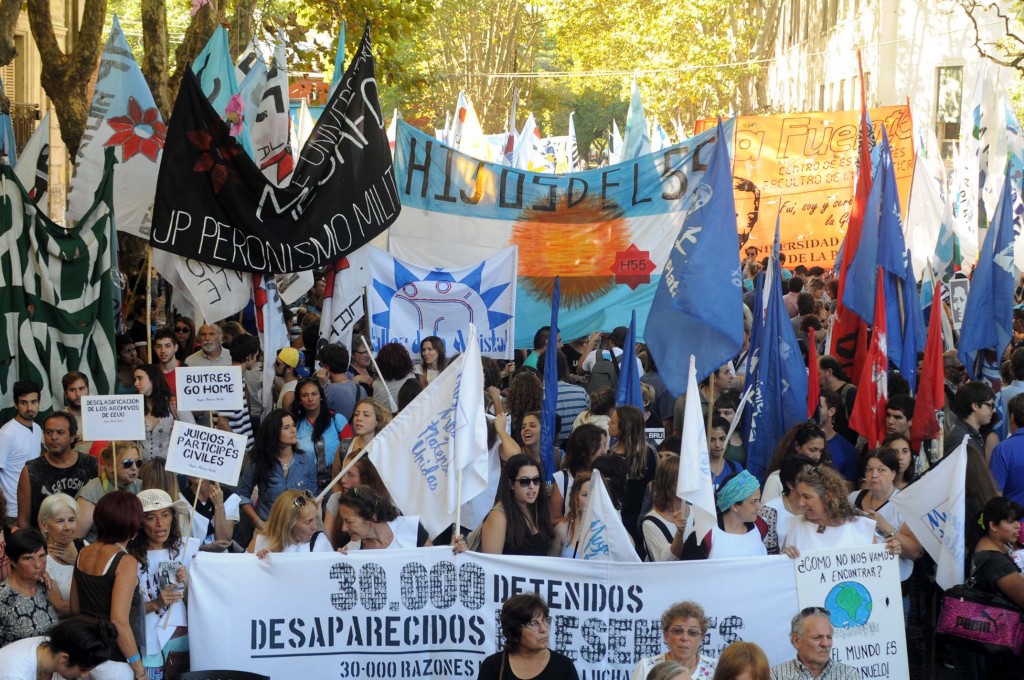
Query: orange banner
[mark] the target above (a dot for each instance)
(808, 161)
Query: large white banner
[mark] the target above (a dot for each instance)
(428, 613)
(409, 302)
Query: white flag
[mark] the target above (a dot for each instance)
(603, 536)
(695, 485)
(927, 209)
(123, 115)
(933, 508)
(33, 166)
(467, 134)
(306, 123)
(271, 129)
(273, 333)
(343, 297)
(615, 145)
(213, 293)
(443, 432)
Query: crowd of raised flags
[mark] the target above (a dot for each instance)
(889, 270)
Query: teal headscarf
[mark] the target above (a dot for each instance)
(736, 490)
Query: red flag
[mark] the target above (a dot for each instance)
(868, 414)
(930, 393)
(849, 332)
(813, 386)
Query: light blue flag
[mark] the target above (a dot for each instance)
(548, 431)
(778, 383)
(216, 73)
(251, 73)
(339, 62)
(698, 306)
(988, 317)
(8, 145)
(637, 141)
(628, 391)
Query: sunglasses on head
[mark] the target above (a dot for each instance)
(307, 495)
(129, 463)
(815, 611)
(526, 482)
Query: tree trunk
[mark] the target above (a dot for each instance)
(65, 77)
(197, 34)
(154, 58)
(8, 20)
(243, 27)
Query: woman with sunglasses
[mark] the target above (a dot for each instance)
(275, 464)
(291, 527)
(683, 627)
(123, 475)
(372, 522)
(829, 520)
(360, 370)
(807, 440)
(185, 333)
(526, 627)
(520, 522)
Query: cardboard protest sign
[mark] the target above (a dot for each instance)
(206, 452)
(860, 587)
(209, 388)
(113, 417)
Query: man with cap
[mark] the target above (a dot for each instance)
(289, 367)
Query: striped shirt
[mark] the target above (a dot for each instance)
(794, 670)
(240, 422)
(572, 400)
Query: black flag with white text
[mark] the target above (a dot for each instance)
(214, 205)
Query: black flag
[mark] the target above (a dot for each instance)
(213, 204)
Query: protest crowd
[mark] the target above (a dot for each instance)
(732, 435)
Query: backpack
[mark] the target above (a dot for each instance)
(605, 372)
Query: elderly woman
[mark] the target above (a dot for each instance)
(30, 602)
(106, 580)
(526, 626)
(71, 650)
(163, 557)
(123, 475)
(683, 626)
(372, 522)
(291, 527)
(58, 516)
(829, 520)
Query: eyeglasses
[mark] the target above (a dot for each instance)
(679, 631)
(990, 404)
(535, 624)
(182, 329)
(129, 463)
(307, 495)
(815, 611)
(526, 482)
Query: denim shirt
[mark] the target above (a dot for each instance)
(301, 476)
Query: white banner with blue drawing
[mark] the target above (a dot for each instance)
(409, 302)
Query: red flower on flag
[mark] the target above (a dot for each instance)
(140, 131)
(215, 158)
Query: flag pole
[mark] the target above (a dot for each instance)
(149, 304)
(391, 397)
(344, 469)
(185, 539)
(458, 501)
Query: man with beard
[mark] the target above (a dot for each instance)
(20, 441)
(211, 351)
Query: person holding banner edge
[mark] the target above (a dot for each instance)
(291, 527)
(372, 522)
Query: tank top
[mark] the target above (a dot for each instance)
(95, 594)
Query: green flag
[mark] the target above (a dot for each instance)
(57, 293)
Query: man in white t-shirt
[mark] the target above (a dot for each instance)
(21, 440)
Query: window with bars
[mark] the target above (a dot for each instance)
(949, 81)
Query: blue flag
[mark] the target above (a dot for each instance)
(988, 317)
(698, 306)
(547, 414)
(882, 245)
(216, 73)
(8, 145)
(628, 390)
(636, 142)
(779, 379)
(339, 62)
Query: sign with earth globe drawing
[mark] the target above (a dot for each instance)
(860, 589)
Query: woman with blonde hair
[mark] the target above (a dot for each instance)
(368, 418)
(291, 527)
(122, 473)
(742, 661)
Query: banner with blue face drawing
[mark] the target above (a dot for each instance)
(409, 302)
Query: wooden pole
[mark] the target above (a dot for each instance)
(149, 305)
(327, 489)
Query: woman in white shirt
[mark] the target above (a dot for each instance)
(291, 527)
(373, 523)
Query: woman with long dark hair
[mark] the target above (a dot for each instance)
(320, 430)
(584, 444)
(151, 384)
(520, 522)
(274, 464)
(807, 440)
(627, 428)
(185, 334)
(432, 359)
